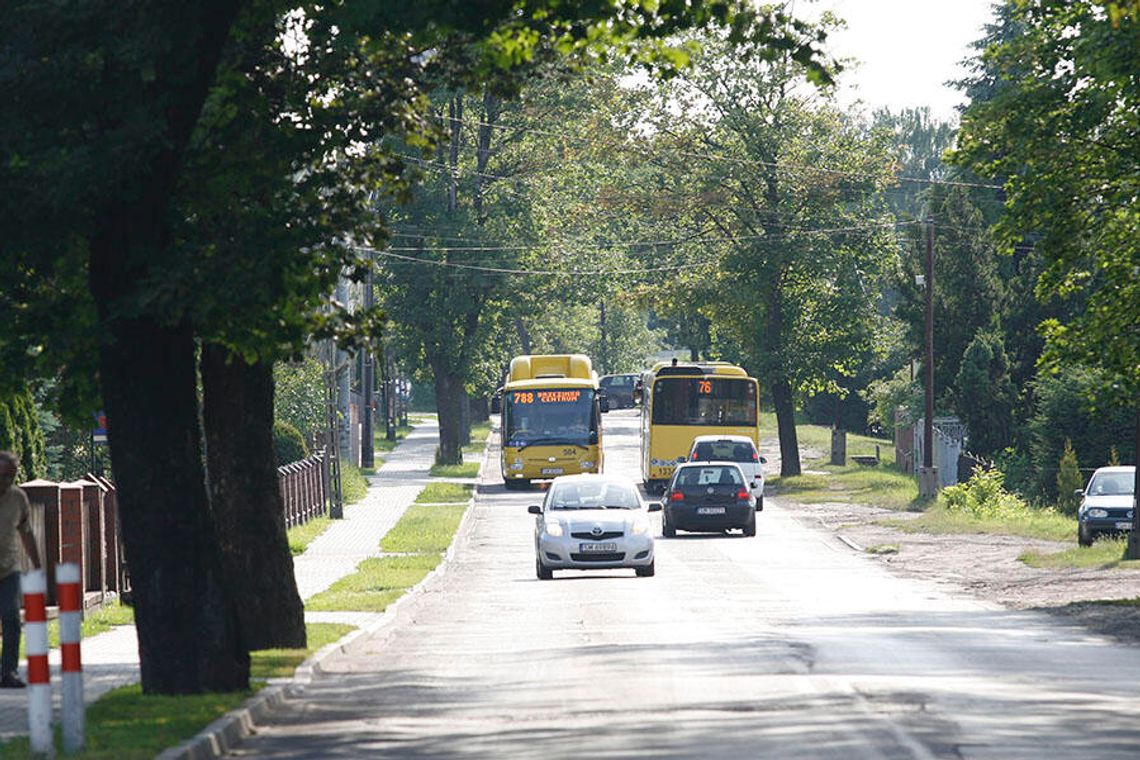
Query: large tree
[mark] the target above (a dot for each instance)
(786, 190)
(1059, 128)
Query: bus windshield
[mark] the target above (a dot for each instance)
(558, 415)
(704, 401)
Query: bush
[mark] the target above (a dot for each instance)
(288, 443)
(299, 394)
(984, 496)
(1068, 480)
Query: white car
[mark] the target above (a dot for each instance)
(1106, 504)
(593, 522)
(733, 448)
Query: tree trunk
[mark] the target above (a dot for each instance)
(694, 354)
(464, 419)
(786, 424)
(1133, 551)
(524, 335)
(448, 389)
(245, 499)
(189, 638)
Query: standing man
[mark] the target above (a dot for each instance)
(14, 512)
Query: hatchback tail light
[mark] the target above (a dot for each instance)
(676, 496)
(742, 495)
(755, 457)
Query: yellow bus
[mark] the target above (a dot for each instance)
(681, 401)
(551, 418)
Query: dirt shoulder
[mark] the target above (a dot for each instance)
(987, 566)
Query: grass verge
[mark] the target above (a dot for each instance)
(126, 725)
(883, 549)
(302, 535)
(479, 433)
(1103, 555)
(422, 534)
(376, 583)
(1036, 524)
(424, 528)
(380, 440)
(444, 493)
(465, 470)
(353, 484)
(882, 486)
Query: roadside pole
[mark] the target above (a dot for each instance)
(928, 474)
(40, 741)
(72, 709)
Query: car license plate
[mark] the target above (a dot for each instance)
(552, 470)
(1124, 526)
(598, 547)
(710, 510)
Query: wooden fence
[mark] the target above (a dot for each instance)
(79, 522)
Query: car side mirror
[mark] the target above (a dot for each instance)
(496, 404)
(604, 403)
(534, 509)
(653, 506)
(763, 460)
(1078, 492)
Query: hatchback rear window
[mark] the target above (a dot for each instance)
(709, 476)
(725, 451)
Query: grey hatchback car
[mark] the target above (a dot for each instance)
(1106, 503)
(708, 497)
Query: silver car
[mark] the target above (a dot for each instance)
(592, 522)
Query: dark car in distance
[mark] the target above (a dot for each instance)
(619, 389)
(708, 497)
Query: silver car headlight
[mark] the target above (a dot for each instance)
(1096, 512)
(553, 528)
(640, 526)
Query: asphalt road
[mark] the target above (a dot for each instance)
(787, 645)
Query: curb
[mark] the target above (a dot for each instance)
(224, 734)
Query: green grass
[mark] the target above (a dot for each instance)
(424, 528)
(479, 433)
(380, 440)
(881, 486)
(353, 484)
(280, 663)
(302, 535)
(1104, 555)
(445, 493)
(376, 583)
(1133, 602)
(126, 725)
(1036, 524)
(465, 470)
(883, 549)
(422, 535)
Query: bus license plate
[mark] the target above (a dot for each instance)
(552, 470)
(596, 547)
(710, 510)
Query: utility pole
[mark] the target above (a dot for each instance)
(367, 452)
(928, 474)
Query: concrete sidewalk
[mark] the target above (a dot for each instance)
(110, 659)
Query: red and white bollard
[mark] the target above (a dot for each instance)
(72, 710)
(34, 585)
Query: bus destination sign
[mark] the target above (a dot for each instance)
(547, 397)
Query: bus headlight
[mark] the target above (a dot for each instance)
(517, 464)
(553, 528)
(586, 465)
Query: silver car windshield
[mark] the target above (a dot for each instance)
(587, 495)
